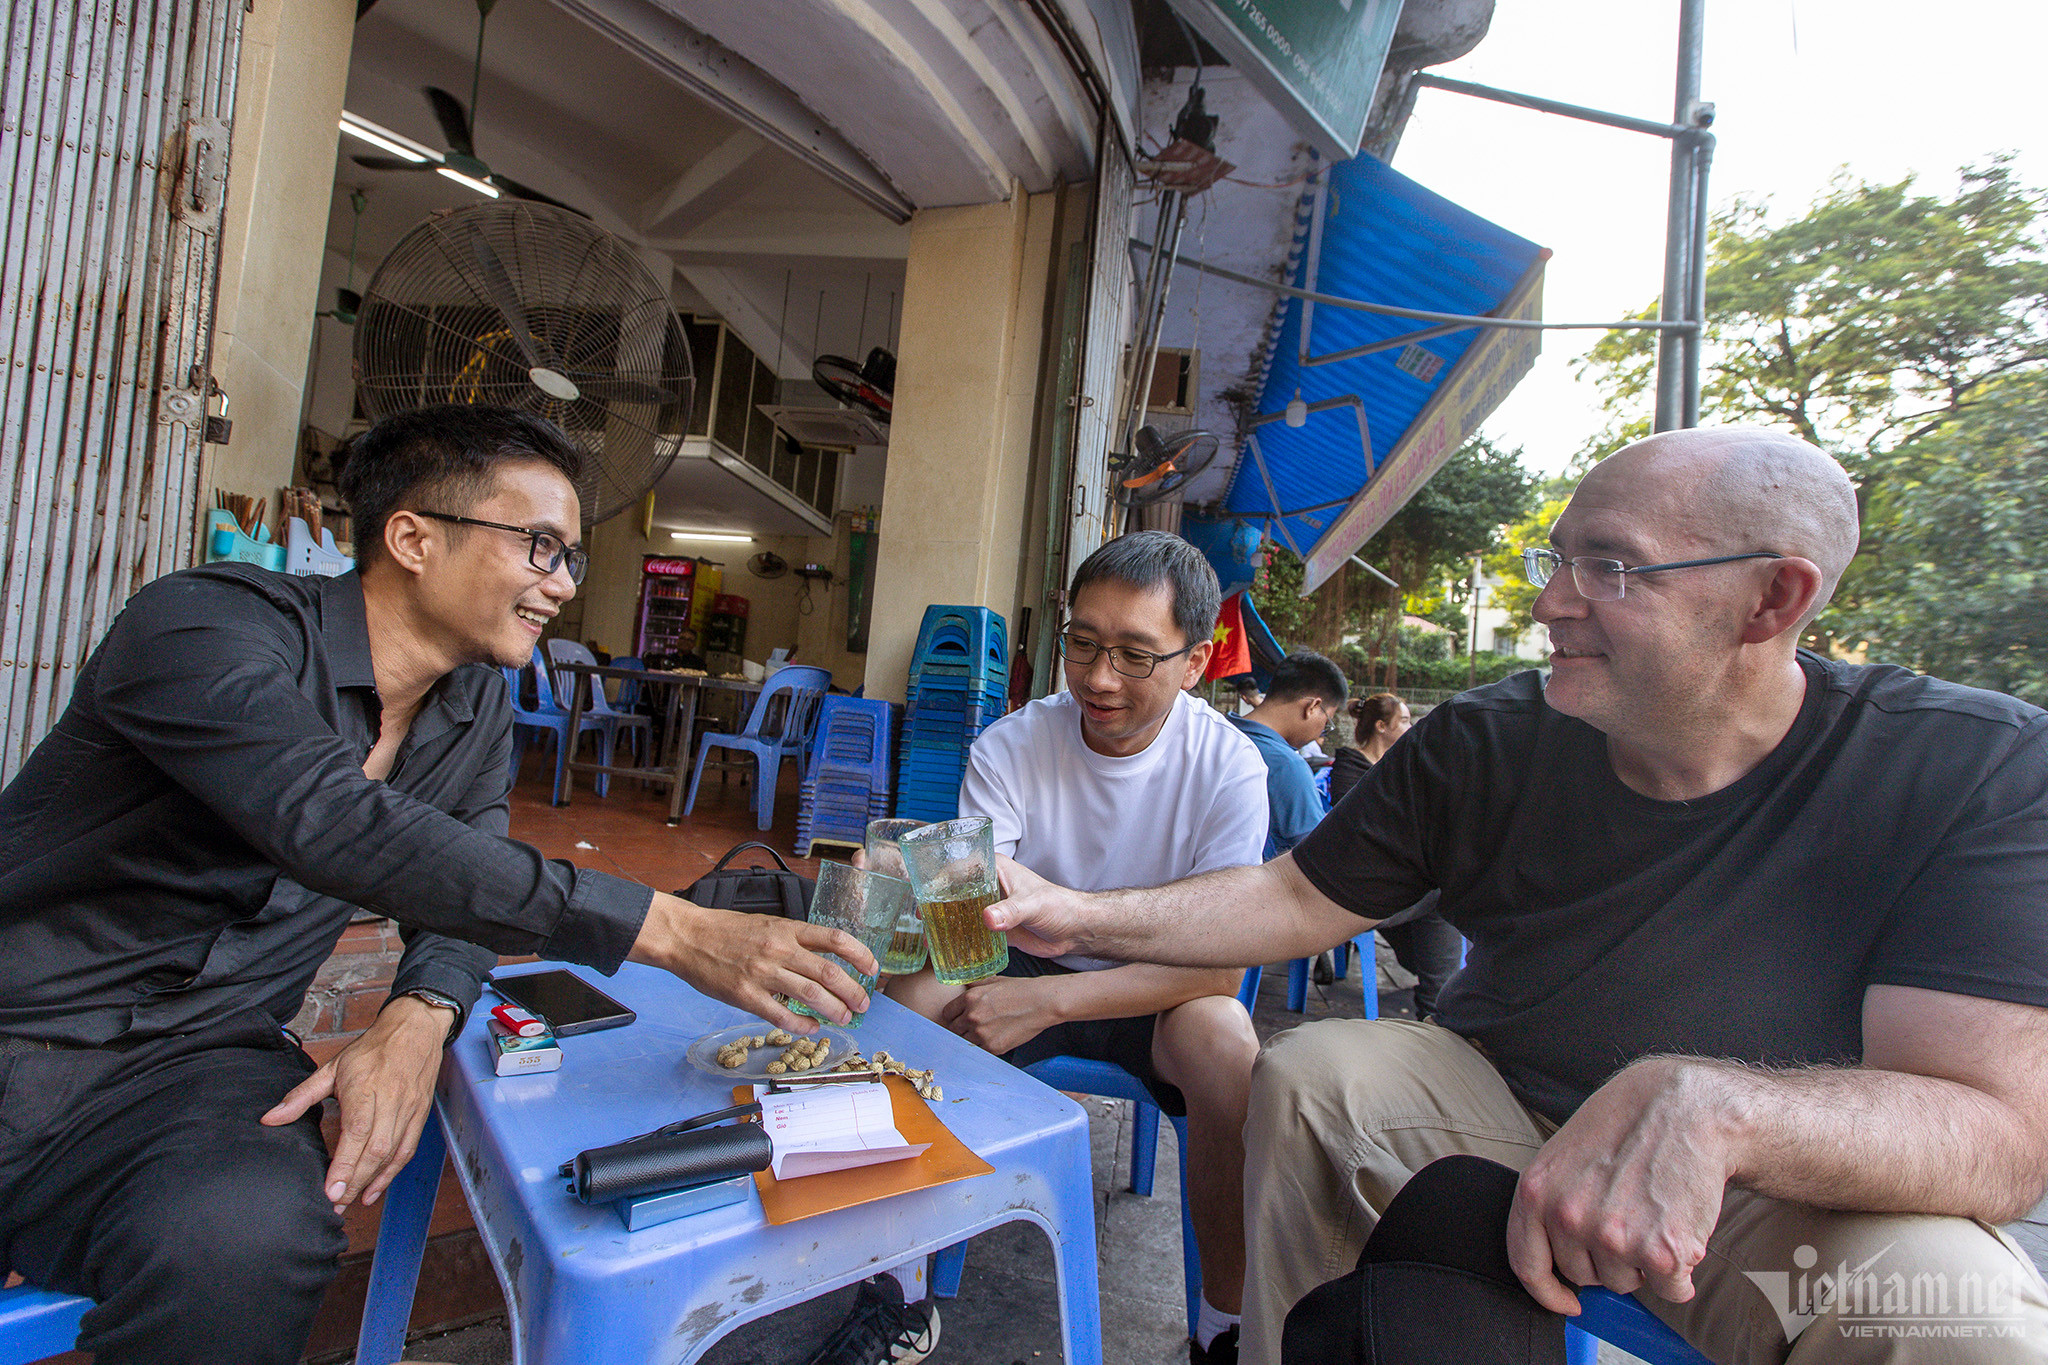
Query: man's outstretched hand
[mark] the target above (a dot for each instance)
(383, 1084)
(747, 960)
(1042, 919)
(1626, 1194)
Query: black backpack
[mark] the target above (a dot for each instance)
(1433, 1284)
(756, 890)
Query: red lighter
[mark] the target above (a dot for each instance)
(518, 1022)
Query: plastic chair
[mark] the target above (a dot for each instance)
(547, 716)
(616, 716)
(801, 690)
(36, 1323)
(1297, 974)
(1077, 1075)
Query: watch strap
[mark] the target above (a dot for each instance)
(445, 1001)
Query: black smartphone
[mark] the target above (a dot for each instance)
(569, 1003)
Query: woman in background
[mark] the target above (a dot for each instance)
(1425, 945)
(1379, 720)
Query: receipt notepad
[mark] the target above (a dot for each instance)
(832, 1129)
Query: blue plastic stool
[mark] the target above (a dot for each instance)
(1079, 1076)
(1619, 1319)
(1297, 975)
(401, 1243)
(35, 1323)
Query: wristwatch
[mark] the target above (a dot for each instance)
(444, 1000)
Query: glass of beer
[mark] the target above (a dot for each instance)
(865, 904)
(952, 868)
(906, 945)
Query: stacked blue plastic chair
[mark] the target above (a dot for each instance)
(850, 780)
(959, 683)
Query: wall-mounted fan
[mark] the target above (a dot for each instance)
(767, 564)
(869, 386)
(534, 308)
(1160, 466)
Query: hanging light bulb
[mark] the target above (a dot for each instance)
(1297, 411)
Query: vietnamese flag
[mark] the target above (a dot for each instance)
(1233, 654)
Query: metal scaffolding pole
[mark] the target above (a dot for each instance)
(1678, 353)
(1696, 309)
(1682, 308)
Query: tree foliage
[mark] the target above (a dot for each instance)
(1512, 590)
(1956, 585)
(1459, 513)
(1907, 334)
(1877, 316)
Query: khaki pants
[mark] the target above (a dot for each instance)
(1344, 1111)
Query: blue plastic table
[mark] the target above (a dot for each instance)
(580, 1288)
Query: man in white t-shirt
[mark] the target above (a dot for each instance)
(1125, 779)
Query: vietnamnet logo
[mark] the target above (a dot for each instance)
(1866, 1301)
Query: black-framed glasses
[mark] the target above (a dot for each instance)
(546, 553)
(1606, 580)
(1080, 651)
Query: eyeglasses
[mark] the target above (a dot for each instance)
(1606, 580)
(1080, 651)
(546, 554)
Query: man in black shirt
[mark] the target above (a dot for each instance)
(247, 758)
(1754, 934)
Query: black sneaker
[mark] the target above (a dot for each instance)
(1324, 970)
(1222, 1349)
(883, 1330)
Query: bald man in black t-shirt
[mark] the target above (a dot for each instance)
(1757, 997)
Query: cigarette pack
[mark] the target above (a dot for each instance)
(517, 1056)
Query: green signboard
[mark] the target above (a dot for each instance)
(1318, 61)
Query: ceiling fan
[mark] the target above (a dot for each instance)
(458, 129)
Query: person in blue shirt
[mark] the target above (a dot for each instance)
(1306, 694)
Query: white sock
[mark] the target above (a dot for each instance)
(910, 1278)
(1212, 1323)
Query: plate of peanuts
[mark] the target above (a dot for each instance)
(756, 1052)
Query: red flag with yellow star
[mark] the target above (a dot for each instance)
(1232, 655)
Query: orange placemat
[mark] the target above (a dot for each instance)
(946, 1160)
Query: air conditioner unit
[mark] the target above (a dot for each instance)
(841, 427)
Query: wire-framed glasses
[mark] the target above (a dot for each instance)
(1080, 651)
(1606, 580)
(546, 553)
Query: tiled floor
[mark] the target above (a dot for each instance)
(627, 832)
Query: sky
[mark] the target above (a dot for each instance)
(1803, 89)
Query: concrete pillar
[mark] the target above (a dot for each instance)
(956, 496)
(293, 74)
(608, 603)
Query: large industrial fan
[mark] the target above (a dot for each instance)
(530, 307)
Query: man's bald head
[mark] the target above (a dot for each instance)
(1730, 490)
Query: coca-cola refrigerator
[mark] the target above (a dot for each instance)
(666, 584)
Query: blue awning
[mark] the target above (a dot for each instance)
(1385, 239)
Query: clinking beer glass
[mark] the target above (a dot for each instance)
(952, 868)
(906, 946)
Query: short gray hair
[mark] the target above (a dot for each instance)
(1148, 559)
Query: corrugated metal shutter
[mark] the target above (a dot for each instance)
(113, 167)
(1093, 518)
